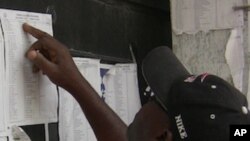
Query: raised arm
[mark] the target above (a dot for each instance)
(54, 60)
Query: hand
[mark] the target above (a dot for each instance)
(52, 58)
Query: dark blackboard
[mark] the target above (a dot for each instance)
(156, 4)
(104, 28)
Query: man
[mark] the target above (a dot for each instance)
(185, 107)
(197, 107)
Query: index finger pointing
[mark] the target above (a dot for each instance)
(34, 31)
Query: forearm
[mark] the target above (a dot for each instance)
(106, 124)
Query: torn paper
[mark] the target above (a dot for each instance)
(2, 87)
(235, 57)
(3, 126)
(18, 134)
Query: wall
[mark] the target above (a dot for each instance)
(105, 28)
(205, 52)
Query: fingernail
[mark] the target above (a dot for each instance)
(25, 26)
(32, 55)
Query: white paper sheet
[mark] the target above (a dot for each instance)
(191, 16)
(248, 39)
(2, 115)
(235, 57)
(73, 125)
(90, 69)
(32, 98)
(2, 88)
(3, 138)
(121, 94)
(121, 90)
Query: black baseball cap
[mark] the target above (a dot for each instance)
(200, 107)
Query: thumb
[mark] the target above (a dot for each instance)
(40, 61)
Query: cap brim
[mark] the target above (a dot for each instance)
(161, 69)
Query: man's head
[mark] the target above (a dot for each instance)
(187, 107)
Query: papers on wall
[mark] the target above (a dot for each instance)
(90, 69)
(31, 98)
(2, 115)
(73, 125)
(121, 90)
(3, 139)
(248, 50)
(25, 98)
(191, 16)
(235, 57)
(2, 87)
(116, 84)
